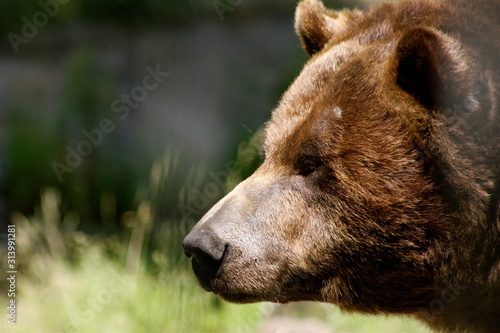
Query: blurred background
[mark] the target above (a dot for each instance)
(119, 121)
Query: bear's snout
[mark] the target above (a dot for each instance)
(234, 253)
(210, 254)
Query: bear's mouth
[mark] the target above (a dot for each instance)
(206, 274)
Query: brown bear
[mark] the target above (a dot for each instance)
(380, 187)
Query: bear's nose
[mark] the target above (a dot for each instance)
(207, 249)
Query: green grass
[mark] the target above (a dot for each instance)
(95, 293)
(99, 297)
(69, 281)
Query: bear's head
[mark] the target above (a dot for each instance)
(377, 169)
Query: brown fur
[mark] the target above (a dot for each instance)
(380, 189)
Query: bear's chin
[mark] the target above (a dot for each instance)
(245, 298)
(230, 293)
(274, 293)
(241, 292)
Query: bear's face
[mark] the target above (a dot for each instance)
(343, 209)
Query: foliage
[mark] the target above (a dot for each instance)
(38, 138)
(73, 282)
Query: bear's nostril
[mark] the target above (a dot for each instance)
(207, 249)
(226, 256)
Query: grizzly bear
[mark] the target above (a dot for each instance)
(380, 185)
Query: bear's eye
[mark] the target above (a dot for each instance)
(307, 165)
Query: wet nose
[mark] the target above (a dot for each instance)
(207, 249)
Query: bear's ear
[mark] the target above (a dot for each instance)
(432, 67)
(316, 25)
